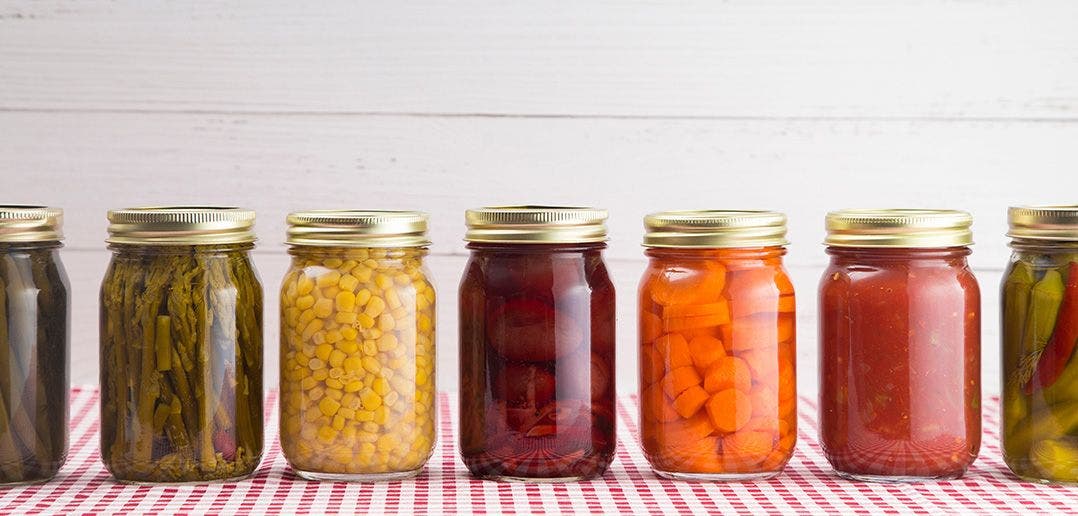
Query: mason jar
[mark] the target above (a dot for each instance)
(900, 345)
(718, 390)
(358, 398)
(536, 345)
(1039, 323)
(181, 346)
(35, 321)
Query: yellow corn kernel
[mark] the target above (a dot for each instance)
(387, 442)
(369, 348)
(391, 398)
(328, 279)
(342, 455)
(353, 386)
(336, 373)
(305, 302)
(387, 342)
(329, 406)
(322, 308)
(364, 415)
(334, 383)
(365, 321)
(320, 374)
(380, 386)
(382, 281)
(367, 448)
(402, 278)
(373, 333)
(305, 285)
(370, 399)
(312, 327)
(370, 426)
(323, 351)
(312, 416)
(385, 322)
(334, 393)
(393, 298)
(348, 283)
(363, 272)
(375, 307)
(424, 323)
(346, 412)
(348, 318)
(349, 347)
(336, 358)
(346, 301)
(327, 434)
(350, 400)
(308, 383)
(352, 364)
(338, 422)
(367, 436)
(349, 432)
(371, 364)
(399, 313)
(380, 415)
(334, 336)
(332, 263)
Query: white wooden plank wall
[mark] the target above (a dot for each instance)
(801, 106)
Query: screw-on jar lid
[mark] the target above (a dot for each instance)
(181, 225)
(899, 228)
(715, 229)
(30, 224)
(536, 225)
(1049, 223)
(357, 228)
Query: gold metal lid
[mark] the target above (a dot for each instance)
(1053, 223)
(715, 229)
(535, 225)
(181, 225)
(30, 224)
(357, 228)
(899, 228)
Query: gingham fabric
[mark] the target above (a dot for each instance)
(807, 486)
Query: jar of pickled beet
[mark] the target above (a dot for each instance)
(718, 395)
(35, 319)
(357, 346)
(1039, 319)
(900, 345)
(536, 345)
(181, 346)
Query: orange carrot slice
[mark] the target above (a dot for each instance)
(676, 381)
(729, 410)
(681, 431)
(685, 284)
(651, 326)
(697, 456)
(705, 351)
(674, 351)
(691, 323)
(689, 402)
(651, 365)
(747, 448)
(719, 307)
(727, 373)
(655, 405)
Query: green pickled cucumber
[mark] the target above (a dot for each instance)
(1056, 459)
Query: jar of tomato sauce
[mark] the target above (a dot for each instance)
(1039, 319)
(718, 395)
(900, 391)
(536, 345)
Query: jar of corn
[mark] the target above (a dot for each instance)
(357, 346)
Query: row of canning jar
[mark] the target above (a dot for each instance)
(181, 345)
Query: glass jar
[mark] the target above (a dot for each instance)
(718, 394)
(536, 345)
(357, 346)
(35, 317)
(181, 346)
(900, 391)
(1039, 319)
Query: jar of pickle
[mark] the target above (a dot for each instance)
(1039, 318)
(35, 318)
(181, 346)
(536, 345)
(357, 346)
(900, 346)
(718, 394)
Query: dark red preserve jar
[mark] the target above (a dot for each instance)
(536, 345)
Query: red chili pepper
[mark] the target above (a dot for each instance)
(1060, 346)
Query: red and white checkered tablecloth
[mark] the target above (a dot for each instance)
(807, 486)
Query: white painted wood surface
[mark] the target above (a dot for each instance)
(801, 106)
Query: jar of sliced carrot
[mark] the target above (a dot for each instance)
(718, 397)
